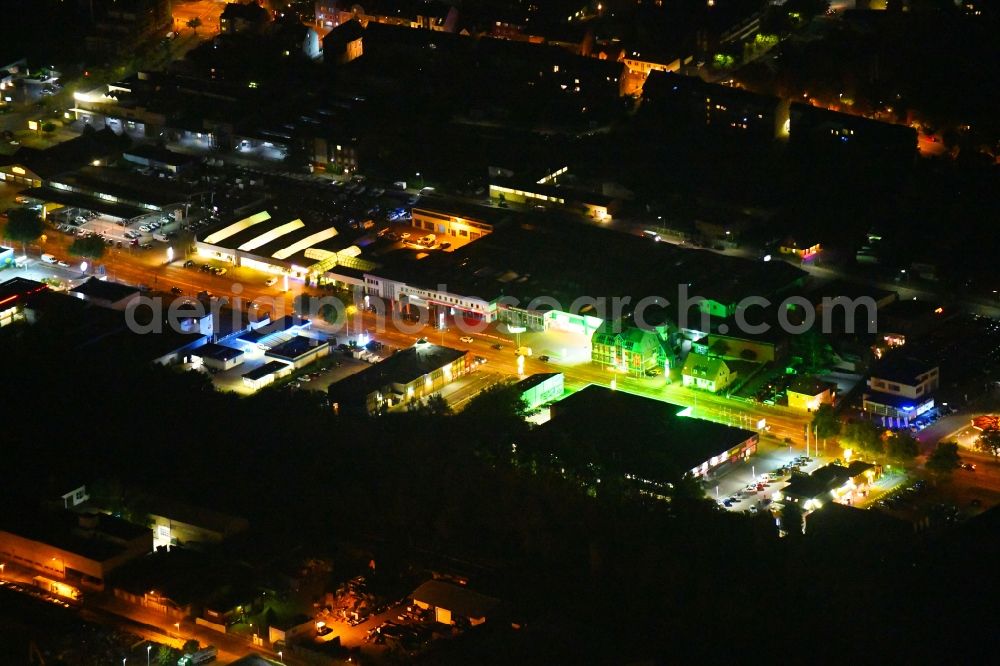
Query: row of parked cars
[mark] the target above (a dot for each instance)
(36, 592)
(930, 417)
(902, 498)
(762, 483)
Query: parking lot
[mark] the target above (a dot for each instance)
(750, 486)
(117, 232)
(317, 376)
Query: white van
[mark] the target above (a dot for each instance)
(49, 259)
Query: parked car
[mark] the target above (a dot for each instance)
(270, 282)
(467, 339)
(189, 263)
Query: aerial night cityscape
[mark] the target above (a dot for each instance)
(625, 332)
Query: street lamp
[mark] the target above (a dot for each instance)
(281, 656)
(517, 331)
(148, 648)
(170, 254)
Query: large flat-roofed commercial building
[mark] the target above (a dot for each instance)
(114, 295)
(547, 193)
(217, 357)
(541, 388)
(449, 221)
(299, 350)
(652, 443)
(119, 193)
(268, 373)
(410, 374)
(13, 294)
(181, 524)
(452, 602)
(79, 548)
(531, 274)
(284, 244)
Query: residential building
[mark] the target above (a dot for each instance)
(826, 132)
(243, 17)
(410, 374)
(12, 72)
(808, 393)
(803, 248)
(709, 373)
(118, 26)
(672, 100)
(327, 14)
(900, 389)
(291, 37)
(629, 349)
(428, 14)
(643, 61)
(762, 348)
(344, 43)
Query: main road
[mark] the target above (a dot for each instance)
(151, 269)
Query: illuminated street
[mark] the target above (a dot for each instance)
(493, 332)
